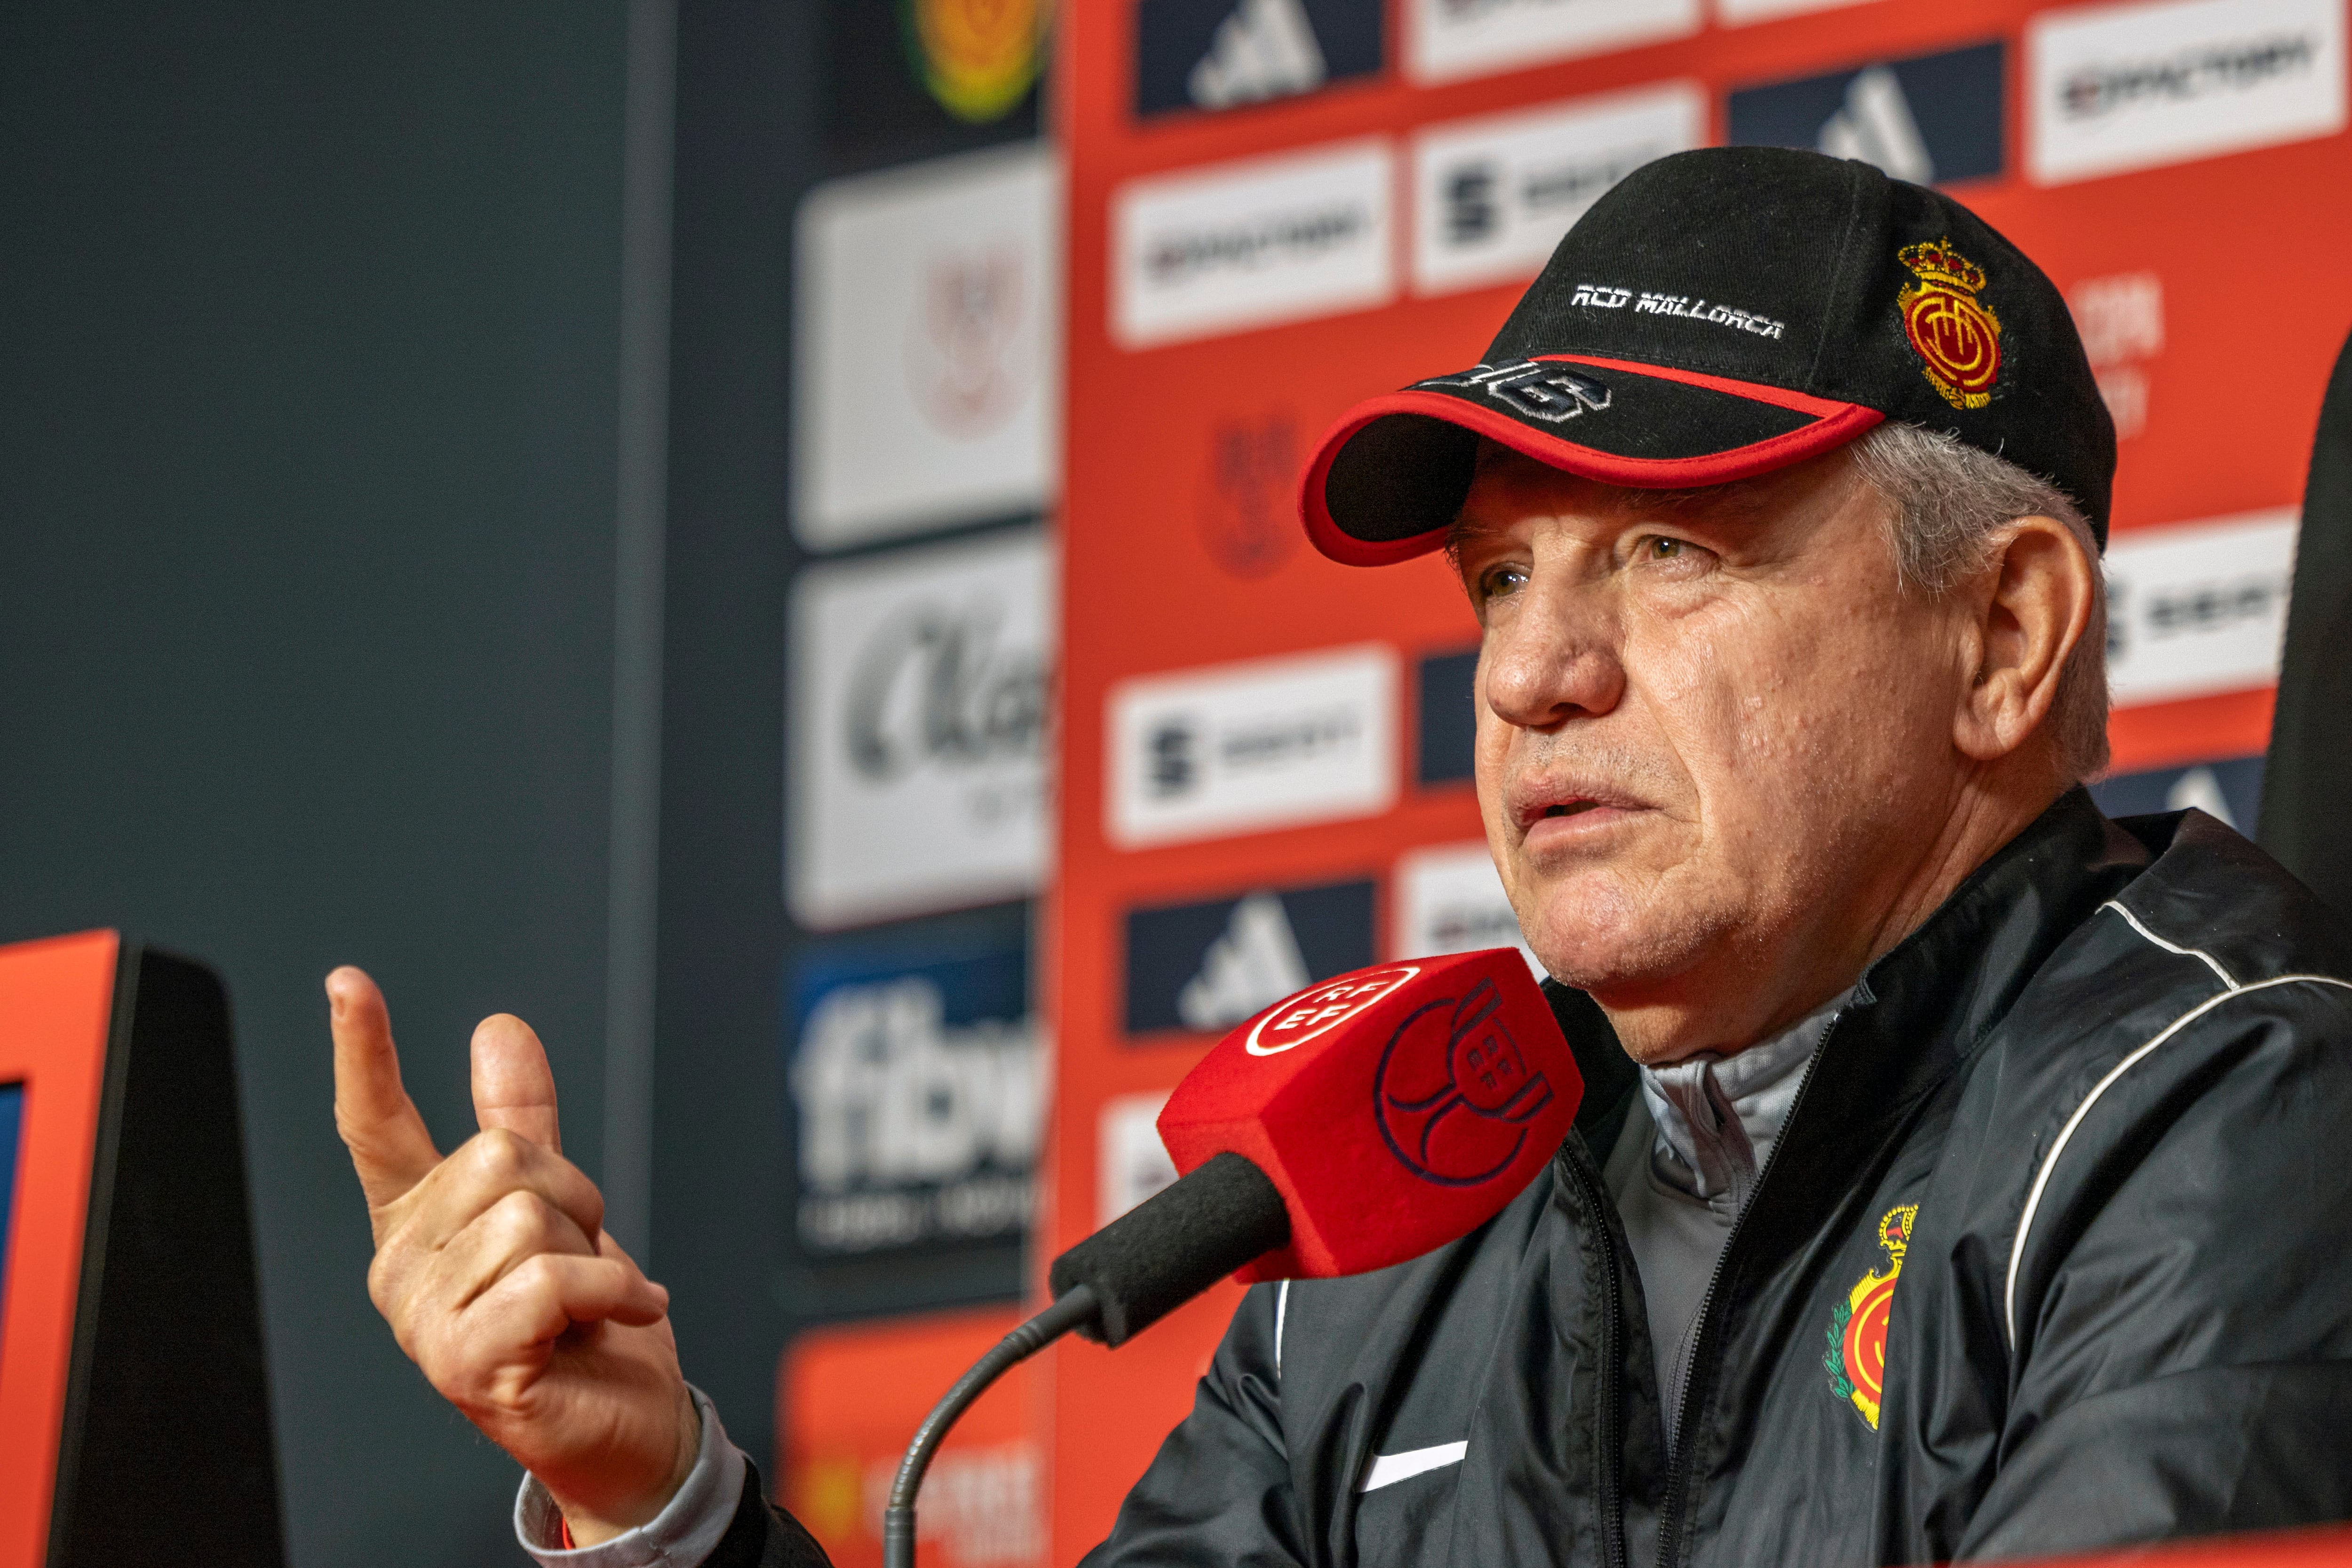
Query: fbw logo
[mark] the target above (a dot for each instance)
(1454, 1094)
(1535, 388)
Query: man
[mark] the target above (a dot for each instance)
(1955, 1174)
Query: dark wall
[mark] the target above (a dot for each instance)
(308, 339)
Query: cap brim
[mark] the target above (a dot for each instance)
(1387, 479)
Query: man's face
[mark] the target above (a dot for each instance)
(1715, 737)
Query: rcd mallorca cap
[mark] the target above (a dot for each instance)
(1721, 314)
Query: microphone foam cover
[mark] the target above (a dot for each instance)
(1394, 1108)
(1173, 1246)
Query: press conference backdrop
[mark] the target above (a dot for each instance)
(1248, 213)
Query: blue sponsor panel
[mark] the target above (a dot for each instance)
(1449, 718)
(2229, 788)
(1930, 118)
(1206, 966)
(916, 1097)
(12, 1121)
(1223, 54)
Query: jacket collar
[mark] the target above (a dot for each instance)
(1923, 1008)
(1917, 1012)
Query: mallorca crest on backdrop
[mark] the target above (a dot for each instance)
(1856, 1360)
(978, 57)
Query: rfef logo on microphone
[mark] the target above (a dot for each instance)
(1454, 1094)
(1323, 1009)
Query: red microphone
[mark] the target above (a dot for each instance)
(1393, 1109)
(1363, 1121)
(1354, 1125)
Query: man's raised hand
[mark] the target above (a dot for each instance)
(494, 1271)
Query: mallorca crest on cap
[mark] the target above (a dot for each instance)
(1955, 335)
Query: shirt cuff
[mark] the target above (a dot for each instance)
(682, 1535)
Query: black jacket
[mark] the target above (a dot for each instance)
(2080, 1149)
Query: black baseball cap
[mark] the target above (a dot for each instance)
(1721, 314)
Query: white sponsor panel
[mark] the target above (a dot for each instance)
(919, 727)
(2116, 88)
(1450, 39)
(1252, 243)
(926, 385)
(1732, 13)
(2199, 607)
(1131, 1163)
(1239, 748)
(1447, 898)
(1493, 196)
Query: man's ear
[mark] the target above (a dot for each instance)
(2028, 609)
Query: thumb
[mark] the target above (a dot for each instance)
(390, 1148)
(513, 1087)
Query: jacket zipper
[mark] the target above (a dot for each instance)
(1612, 1481)
(1670, 1518)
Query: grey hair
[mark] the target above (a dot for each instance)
(1947, 503)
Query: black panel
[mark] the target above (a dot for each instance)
(2307, 790)
(166, 1456)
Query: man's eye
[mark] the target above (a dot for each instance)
(1664, 549)
(1500, 582)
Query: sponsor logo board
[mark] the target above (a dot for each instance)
(1132, 1163)
(2117, 87)
(1493, 196)
(1450, 39)
(921, 683)
(917, 1098)
(1926, 119)
(1209, 965)
(1223, 54)
(1252, 243)
(1733, 13)
(926, 375)
(1246, 747)
(1447, 898)
(2197, 608)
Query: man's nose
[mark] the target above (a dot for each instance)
(1555, 660)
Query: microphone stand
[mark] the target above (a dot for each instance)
(1076, 1306)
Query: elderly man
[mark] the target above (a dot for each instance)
(1952, 1178)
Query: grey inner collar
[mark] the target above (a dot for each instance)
(1718, 1117)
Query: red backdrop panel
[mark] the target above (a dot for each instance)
(2251, 257)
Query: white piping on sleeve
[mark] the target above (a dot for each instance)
(2211, 962)
(2058, 1147)
(1390, 1469)
(1281, 1310)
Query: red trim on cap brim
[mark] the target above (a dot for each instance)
(1834, 425)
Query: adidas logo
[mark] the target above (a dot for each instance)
(1252, 966)
(1266, 49)
(1877, 127)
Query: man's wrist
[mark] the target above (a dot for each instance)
(685, 1531)
(585, 1528)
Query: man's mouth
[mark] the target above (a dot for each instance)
(1541, 805)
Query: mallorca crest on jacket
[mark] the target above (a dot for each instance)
(1955, 334)
(1856, 1360)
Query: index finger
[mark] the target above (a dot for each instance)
(390, 1148)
